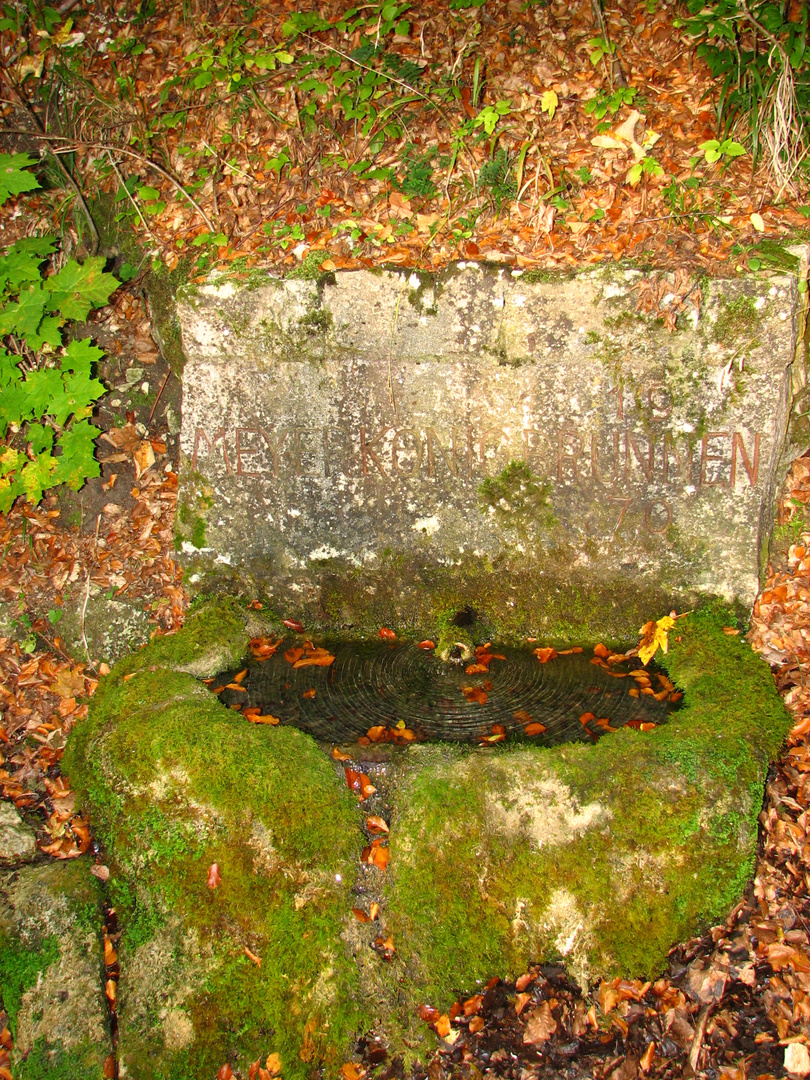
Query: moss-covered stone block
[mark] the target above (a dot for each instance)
(51, 972)
(600, 856)
(176, 782)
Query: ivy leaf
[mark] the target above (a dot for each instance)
(13, 181)
(80, 355)
(77, 462)
(40, 437)
(24, 317)
(80, 391)
(35, 476)
(42, 390)
(77, 288)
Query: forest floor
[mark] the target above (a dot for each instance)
(479, 133)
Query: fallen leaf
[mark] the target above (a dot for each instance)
(475, 669)
(521, 1001)
(534, 729)
(360, 915)
(350, 1071)
(386, 634)
(378, 733)
(101, 872)
(293, 624)
(426, 645)
(374, 823)
(474, 694)
(647, 1058)
(143, 458)
(110, 990)
(110, 955)
(273, 1064)
(338, 755)
(214, 879)
(545, 654)
(266, 718)
(257, 960)
(225, 1072)
(654, 636)
(540, 1026)
(309, 694)
(477, 1024)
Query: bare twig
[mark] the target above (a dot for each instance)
(104, 148)
(700, 1034)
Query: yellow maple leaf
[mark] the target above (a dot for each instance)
(548, 103)
(653, 637)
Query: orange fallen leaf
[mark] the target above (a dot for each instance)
(214, 879)
(474, 694)
(442, 1026)
(257, 960)
(338, 755)
(386, 634)
(350, 1071)
(477, 1023)
(236, 686)
(225, 1072)
(273, 1064)
(262, 648)
(545, 654)
(366, 787)
(293, 624)
(475, 669)
(266, 718)
(377, 733)
(374, 910)
(601, 650)
(110, 990)
(360, 915)
(586, 718)
(426, 645)
(374, 823)
(522, 717)
(473, 1005)
(309, 694)
(110, 955)
(647, 1058)
(294, 654)
(240, 677)
(534, 729)
(521, 1001)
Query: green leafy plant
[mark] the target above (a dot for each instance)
(47, 388)
(600, 48)
(648, 166)
(605, 102)
(713, 150)
(760, 52)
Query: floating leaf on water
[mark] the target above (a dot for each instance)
(545, 654)
(338, 755)
(474, 694)
(309, 694)
(265, 719)
(586, 718)
(601, 651)
(386, 634)
(534, 729)
(475, 669)
(293, 624)
(426, 645)
(523, 717)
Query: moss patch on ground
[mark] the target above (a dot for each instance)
(602, 856)
(175, 782)
(51, 971)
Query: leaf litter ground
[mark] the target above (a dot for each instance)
(479, 133)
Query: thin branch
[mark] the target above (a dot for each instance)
(104, 148)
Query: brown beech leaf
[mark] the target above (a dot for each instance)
(308, 695)
(265, 718)
(540, 1026)
(475, 694)
(534, 728)
(110, 955)
(293, 624)
(273, 1064)
(360, 915)
(477, 1023)
(338, 755)
(225, 1072)
(386, 634)
(214, 879)
(374, 823)
(545, 654)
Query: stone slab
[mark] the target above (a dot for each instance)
(331, 426)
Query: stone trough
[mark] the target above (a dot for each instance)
(473, 457)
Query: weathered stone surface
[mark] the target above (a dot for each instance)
(17, 840)
(51, 970)
(110, 627)
(177, 782)
(363, 427)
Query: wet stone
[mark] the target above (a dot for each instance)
(17, 840)
(372, 426)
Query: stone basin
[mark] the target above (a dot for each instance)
(601, 856)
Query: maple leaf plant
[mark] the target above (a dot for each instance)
(47, 387)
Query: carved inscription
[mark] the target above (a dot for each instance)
(568, 455)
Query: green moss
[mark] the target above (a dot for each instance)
(670, 844)
(737, 319)
(175, 782)
(516, 496)
(198, 532)
(19, 968)
(45, 1062)
(310, 267)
